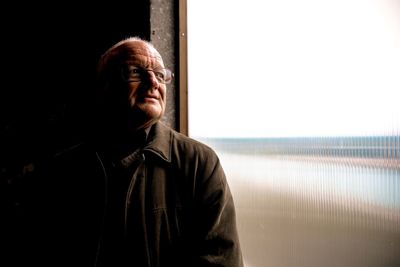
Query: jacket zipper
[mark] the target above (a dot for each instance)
(127, 201)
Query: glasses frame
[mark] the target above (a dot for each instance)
(126, 71)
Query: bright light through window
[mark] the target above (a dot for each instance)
(293, 68)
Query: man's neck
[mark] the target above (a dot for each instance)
(119, 146)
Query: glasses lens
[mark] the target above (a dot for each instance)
(167, 76)
(162, 75)
(132, 73)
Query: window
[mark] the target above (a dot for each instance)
(300, 101)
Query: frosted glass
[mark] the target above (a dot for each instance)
(315, 201)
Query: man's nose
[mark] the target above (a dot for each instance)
(152, 78)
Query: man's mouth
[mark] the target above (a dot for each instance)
(149, 98)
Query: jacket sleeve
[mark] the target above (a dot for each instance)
(216, 235)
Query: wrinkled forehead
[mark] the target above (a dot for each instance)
(132, 51)
(138, 51)
(138, 48)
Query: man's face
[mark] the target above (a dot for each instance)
(146, 95)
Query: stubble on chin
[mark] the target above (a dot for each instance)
(143, 116)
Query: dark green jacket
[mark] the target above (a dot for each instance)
(177, 208)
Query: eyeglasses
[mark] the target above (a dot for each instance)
(132, 73)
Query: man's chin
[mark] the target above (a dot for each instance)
(148, 113)
(152, 111)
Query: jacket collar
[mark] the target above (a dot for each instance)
(160, 141)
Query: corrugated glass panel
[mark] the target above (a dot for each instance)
(300, 101)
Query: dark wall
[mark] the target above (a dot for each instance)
(49, 54)
(48, 59)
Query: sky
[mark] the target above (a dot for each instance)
(267, 68)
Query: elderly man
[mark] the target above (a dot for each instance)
(169, 202)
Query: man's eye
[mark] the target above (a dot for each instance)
(160, 75)
(134, 71)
